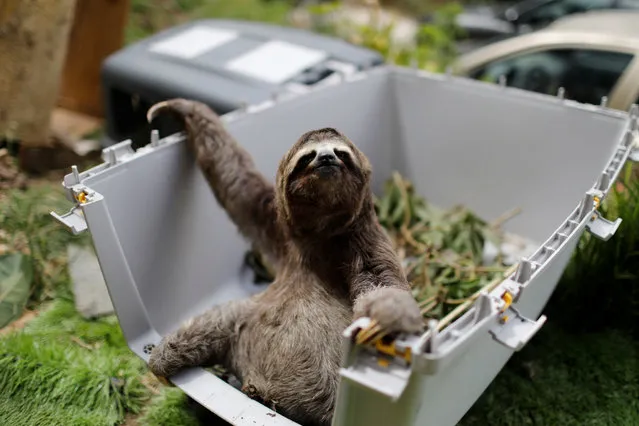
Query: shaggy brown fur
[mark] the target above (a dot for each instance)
(334, 264)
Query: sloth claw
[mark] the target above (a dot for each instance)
(392, 310)
(155, 110)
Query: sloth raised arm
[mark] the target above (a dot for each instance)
(246, 195)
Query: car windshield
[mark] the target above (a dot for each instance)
(585, 75)
(628, 4)
(552, 10)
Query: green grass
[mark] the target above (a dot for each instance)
(16, 412)
(61, 364)
(169, 408)
(587, 379)
(28, 227)
(600, 287)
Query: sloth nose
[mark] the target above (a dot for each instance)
(326, 157)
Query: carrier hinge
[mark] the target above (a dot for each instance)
(513, 329)
(80, 194)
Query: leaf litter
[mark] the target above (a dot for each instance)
(16, 276)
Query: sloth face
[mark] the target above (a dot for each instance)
(324, 173)
(324, 160)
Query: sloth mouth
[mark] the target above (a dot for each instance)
(326, 166)
(327, 169)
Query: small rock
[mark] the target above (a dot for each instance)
(91, 295)
(530, 369)
(513, 248)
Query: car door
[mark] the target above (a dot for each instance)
(586, 74)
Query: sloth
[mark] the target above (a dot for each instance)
(333, 263)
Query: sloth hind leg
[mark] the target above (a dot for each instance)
(203, 340)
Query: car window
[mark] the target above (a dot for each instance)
(551, 11)
(627, 4)
(586, 75)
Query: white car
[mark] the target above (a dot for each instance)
(590, 55)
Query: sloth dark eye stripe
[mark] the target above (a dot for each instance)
(304, 161)
(342, 155)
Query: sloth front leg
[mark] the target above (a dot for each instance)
(380, 291)
(203, 340)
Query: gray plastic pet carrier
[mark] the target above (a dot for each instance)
(224, 63)
(168, 251)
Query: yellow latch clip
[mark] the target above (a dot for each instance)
(508, 300)
(391, 350)
(373, 336)
(597, 201)
(81, 197)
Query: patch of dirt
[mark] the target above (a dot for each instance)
(59, 156)
(10, 175)
(19, 323)
(130, 420)
(151, 382)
